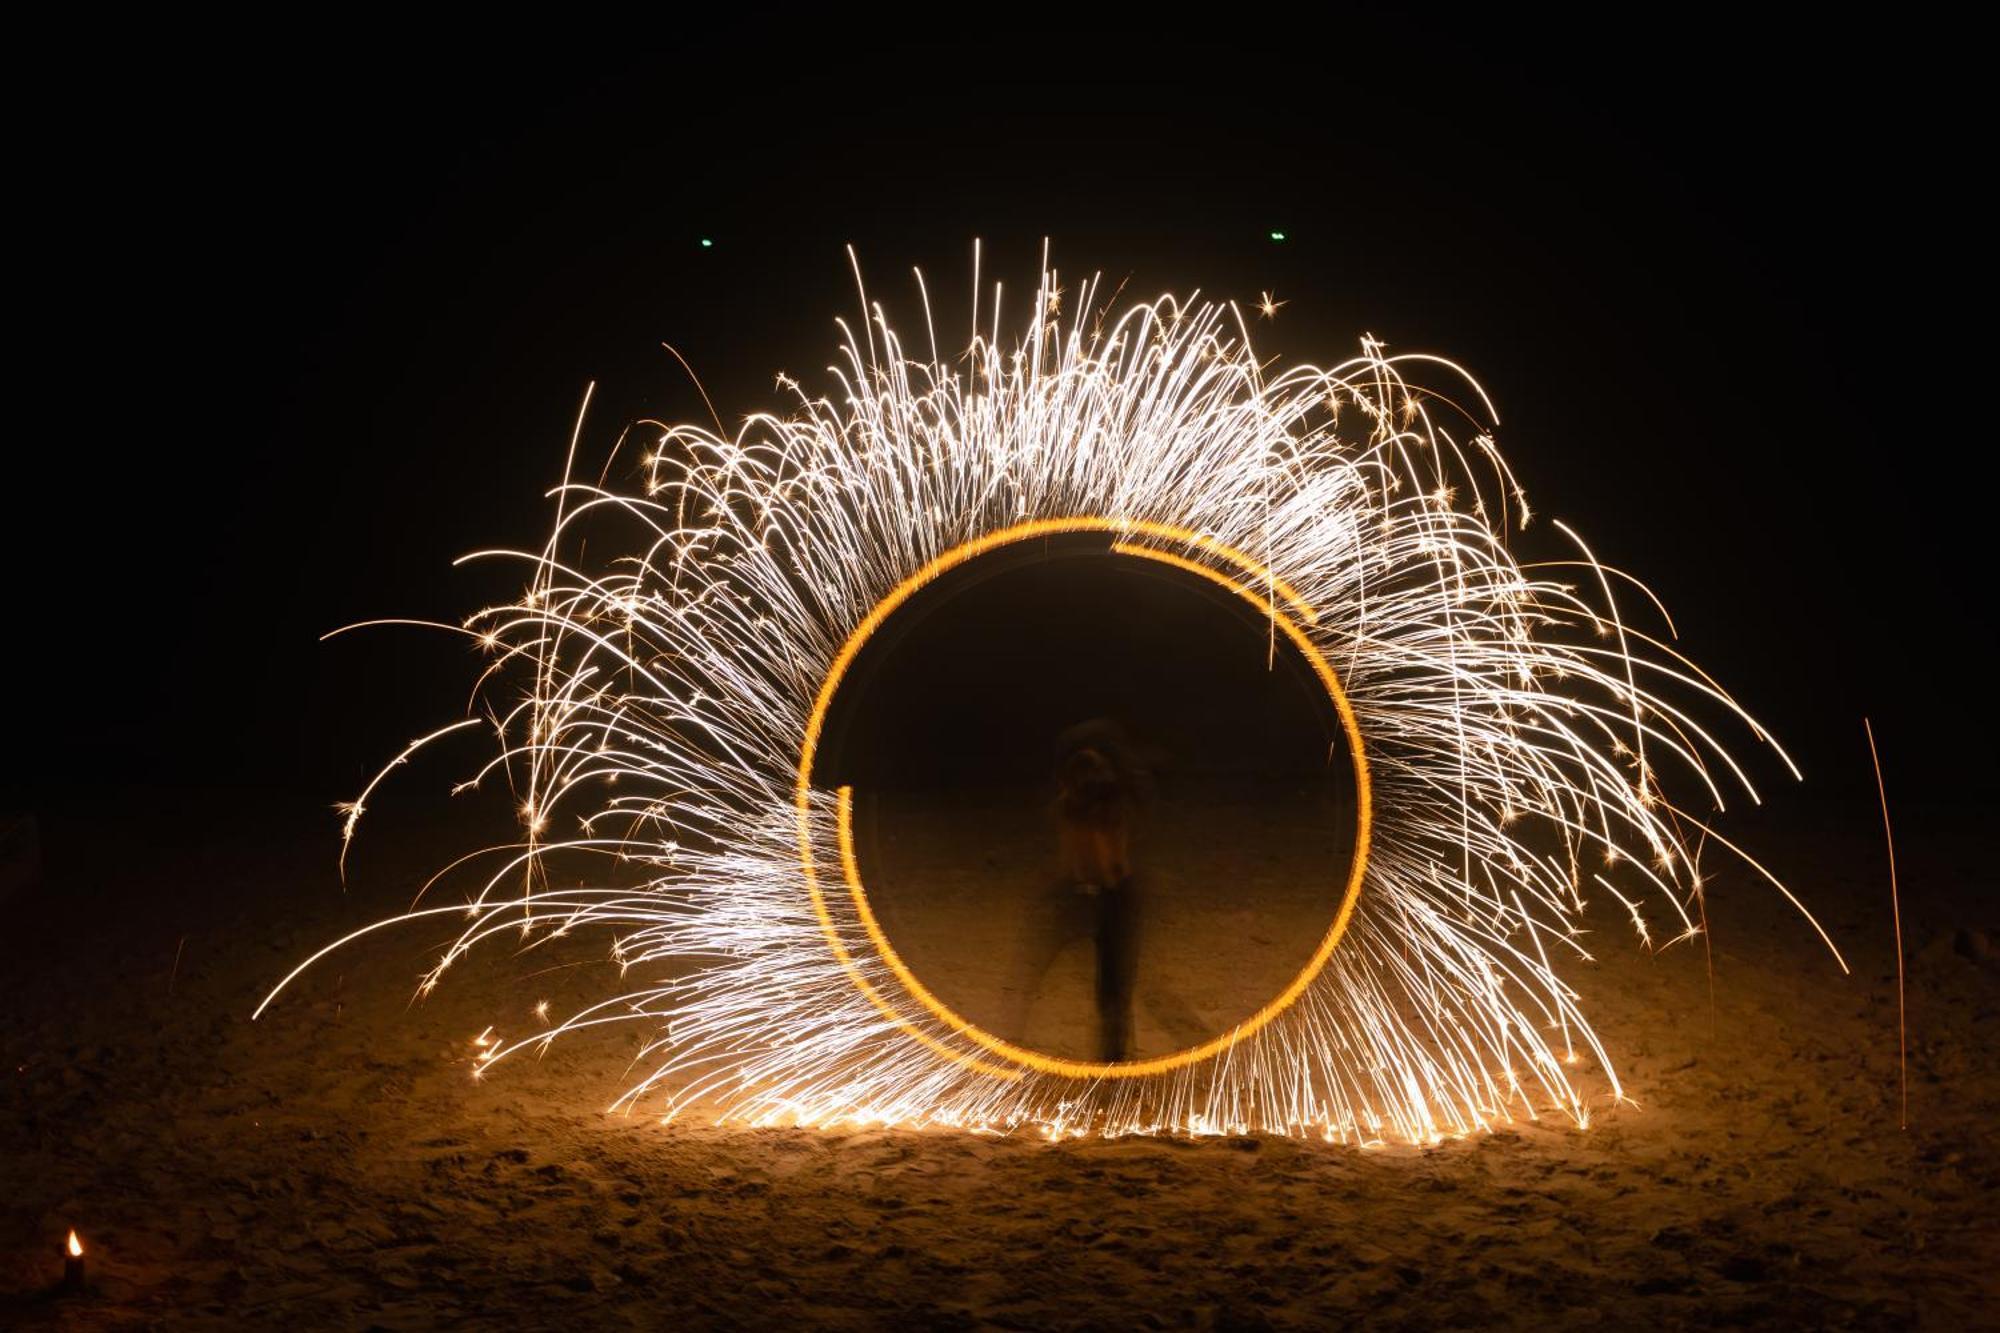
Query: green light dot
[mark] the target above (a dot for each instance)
(1277, 236)
(707, 244)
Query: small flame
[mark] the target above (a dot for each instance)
(75, 1245)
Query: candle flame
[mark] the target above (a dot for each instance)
(75, 1245)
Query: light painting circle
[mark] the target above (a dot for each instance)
(1535, 737)
(1285, 610)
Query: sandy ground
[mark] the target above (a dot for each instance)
(1235, 893)
(333, 1166)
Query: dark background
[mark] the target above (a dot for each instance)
(315, 317)
(990, 675)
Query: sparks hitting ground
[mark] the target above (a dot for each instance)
(1518, 744)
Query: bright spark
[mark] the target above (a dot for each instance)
(679, 649)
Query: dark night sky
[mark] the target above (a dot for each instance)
(316, 325)
(974, 679)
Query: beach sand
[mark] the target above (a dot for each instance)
(333, 1165)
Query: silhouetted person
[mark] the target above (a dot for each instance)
(1098, 792)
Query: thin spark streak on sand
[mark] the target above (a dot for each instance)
(1896, 908)
(651, 711)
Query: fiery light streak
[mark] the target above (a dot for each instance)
(665, 705)
(1896, 909)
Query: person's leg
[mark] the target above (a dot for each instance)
(1052, 921)
(1117, 968)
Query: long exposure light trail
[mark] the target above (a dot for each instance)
(657, 690)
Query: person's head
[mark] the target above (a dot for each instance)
(1102, 735)
(1087, 772)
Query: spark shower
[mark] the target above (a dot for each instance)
(1525, 737)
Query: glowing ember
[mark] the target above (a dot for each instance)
(73, 1278)
(659, 710)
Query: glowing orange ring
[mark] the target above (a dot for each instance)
(1275, 591)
